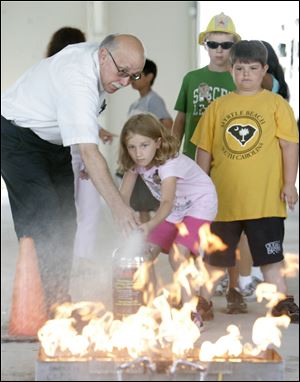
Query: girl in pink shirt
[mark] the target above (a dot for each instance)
(186, 193)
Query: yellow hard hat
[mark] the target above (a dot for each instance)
(219, 23)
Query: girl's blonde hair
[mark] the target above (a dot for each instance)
(149, 126)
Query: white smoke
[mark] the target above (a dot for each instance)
(133, 246)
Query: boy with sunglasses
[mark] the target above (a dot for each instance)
(201, 86)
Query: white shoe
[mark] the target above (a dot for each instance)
(249, 291)
(222, 287)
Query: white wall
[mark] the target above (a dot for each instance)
(26, 28)
(167, 30)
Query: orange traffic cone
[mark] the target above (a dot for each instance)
(28, 311)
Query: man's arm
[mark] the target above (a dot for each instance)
(178, 127)
(99, 173)
(290, 152)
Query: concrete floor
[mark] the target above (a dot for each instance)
(91, 280)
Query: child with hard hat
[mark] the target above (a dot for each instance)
(199, 88)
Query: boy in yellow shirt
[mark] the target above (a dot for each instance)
(248, 142)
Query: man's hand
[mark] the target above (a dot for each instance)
(126, 218)
(98, 170)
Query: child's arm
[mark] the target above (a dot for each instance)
(168, 191)
(167, 122)
(203, 159)
(290, 152)
(127, 186)
(178, 127)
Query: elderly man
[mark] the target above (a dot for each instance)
(54, 105)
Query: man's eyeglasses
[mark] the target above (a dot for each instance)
(224, 45)
(123, 73)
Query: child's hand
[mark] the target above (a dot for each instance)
(289, 195)
(145, 227)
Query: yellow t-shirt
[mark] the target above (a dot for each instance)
(242, 135)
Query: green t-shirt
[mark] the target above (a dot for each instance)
(199, 88)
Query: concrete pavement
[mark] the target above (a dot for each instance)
(91, 280)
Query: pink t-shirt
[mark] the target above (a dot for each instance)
(195, 192)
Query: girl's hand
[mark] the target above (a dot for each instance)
(289, 195)
(146, 228)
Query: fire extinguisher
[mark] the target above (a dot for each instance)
(126, 261)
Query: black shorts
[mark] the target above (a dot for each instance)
(141, 197)
(265, 238)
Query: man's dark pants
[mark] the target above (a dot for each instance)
(40, 184)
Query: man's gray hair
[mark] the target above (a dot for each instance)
(110, 42)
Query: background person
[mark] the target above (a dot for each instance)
(274, 79)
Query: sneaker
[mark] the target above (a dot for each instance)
(288, 307)
(222, 286)
(249, 291)
(197, 320)
(205, 309)
(235, 302)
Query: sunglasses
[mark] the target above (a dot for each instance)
(224, 45)
(122, 72)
